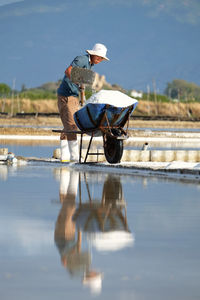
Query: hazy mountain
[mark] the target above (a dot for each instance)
(147, 40)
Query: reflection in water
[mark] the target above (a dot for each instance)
(165, 262)
(99, 222)
(3, 172)
(9, 169)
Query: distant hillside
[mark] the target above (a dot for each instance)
(176, 91)
(99, 83)
(50, 86)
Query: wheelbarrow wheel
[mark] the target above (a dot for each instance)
(113, 149)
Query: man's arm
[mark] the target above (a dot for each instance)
(79, 61)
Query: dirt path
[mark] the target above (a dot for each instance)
(43, 125)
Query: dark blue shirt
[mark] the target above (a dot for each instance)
(67, 88)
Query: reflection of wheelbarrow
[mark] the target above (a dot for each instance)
(103, 218)
(105, 212)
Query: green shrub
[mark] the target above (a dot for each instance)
(5, 90)
(37, 94)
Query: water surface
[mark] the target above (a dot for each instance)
(69, 234)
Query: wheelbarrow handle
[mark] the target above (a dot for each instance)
(82, 94)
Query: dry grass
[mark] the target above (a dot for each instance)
(168, 109)
(143, 108)
(29, 106)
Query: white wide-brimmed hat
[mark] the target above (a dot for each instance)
(99, 50)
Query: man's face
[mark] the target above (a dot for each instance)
(96, 59)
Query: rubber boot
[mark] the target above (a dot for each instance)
(64, 151)
(74, 150)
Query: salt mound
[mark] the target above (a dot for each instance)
(114, 98)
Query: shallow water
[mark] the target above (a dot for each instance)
(30, 148)
(69, 234)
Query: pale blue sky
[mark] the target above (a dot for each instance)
(146, 40)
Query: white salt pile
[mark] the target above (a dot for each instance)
(114, 98)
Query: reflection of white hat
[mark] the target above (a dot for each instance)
(112, 240)
(99, 50)
(94, 283)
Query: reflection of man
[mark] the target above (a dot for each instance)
(69, 239)
(69, 245)
(93, 280)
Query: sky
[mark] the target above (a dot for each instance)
(149, 42)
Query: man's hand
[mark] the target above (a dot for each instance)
(68, 72)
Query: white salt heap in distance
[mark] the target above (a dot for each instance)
(114, 98)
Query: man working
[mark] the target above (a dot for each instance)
(68, 101)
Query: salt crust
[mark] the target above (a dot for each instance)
(114, 98)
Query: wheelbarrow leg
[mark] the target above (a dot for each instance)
(89, 147)
(80, 150)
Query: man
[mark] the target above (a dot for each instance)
(68, 102)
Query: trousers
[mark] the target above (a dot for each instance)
(67, 106)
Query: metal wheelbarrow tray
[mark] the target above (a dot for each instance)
(96, 119)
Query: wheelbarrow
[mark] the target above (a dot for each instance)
(107, 121)
(103, 118)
